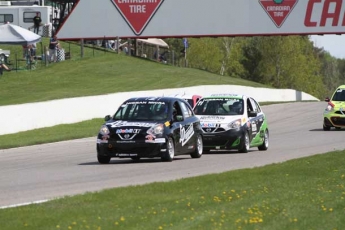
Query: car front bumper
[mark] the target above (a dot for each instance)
(334, 119)
(129, 150)
(230, 139)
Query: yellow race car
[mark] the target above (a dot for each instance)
(334, 114)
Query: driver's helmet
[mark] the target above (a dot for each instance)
(237, 107)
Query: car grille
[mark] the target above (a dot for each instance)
(213, 130)
(338, 112)
(338, 121)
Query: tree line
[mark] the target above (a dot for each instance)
(291, 62)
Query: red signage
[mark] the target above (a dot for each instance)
(278, 10)
(332, 13)
(137, 13)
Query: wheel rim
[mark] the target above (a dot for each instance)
(266, 139)
(199, 145)
(246, 141)
(171, 149)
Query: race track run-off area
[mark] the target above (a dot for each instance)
(53, 170)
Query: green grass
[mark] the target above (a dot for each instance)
(106, 72)
(307, 193)
(56, 133)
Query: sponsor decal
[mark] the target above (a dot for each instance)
(125, 141)
(211, 125)
(278, 10)
(150, 137)
(167, 124)
(105, 137)
(212, 118)
(156, 140)
(224, 95)
(126, 123)
(137, 13)
(186, 134)
(128, 130)
(100, 141)
(126, 154)
(321, 12)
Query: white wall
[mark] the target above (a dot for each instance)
(16, 118)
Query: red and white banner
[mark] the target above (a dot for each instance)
(202, 18)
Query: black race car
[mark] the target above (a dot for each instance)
(148, 127)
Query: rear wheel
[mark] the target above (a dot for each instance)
(103, 159)
(264, 145)
(198, 147)
(170, 153)
(244, 146)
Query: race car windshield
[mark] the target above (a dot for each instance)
(339, 95)
(219, 106)
(142, 111)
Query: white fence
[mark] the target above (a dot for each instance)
(17, 118)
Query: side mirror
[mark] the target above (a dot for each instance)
(179, 118)
(327, 99)
(107, 118)
(252, 114)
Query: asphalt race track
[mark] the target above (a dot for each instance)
(53, 170)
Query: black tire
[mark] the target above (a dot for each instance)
(338, 128)
(244, 145)
(170, 152)
(103, 159)
(326, 128)
(264, 145)
(198, 147)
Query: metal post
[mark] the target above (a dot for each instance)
(117, 44)
(82, 48)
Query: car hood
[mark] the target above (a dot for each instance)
(339, 104)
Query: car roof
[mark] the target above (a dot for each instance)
(165, 99)
(188, 96)
(226, 95)
(341, 87)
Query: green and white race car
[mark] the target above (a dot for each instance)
(232, 121)
(334, 114)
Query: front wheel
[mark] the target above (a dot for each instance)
(198, 148)
(264, 145)
(170, 153)
(326, 128)
(244, 145)
(103, 159)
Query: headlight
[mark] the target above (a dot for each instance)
(156, 129)
(104, 130)
(235, 124)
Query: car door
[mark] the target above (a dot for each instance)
(176, 127)
(256, 122)
(253, 129)
(188, 127)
